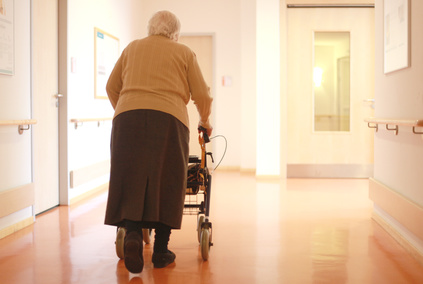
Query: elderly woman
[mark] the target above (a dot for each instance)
(149, 88)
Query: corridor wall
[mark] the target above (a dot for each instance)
(397, 185)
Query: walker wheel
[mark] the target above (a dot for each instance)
(146, 235)
(120, 242)
(200, 221)
(205, 243)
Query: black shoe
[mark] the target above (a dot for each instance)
(133, 256)
(163, 259)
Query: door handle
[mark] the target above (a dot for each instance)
(58, 96)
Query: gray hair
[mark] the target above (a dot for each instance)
(164, 23)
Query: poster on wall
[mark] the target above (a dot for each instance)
(396, 35)
(106, 54)
(7, 52)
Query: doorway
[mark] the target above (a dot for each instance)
(322, 152)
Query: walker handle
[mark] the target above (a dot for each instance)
(205, 135)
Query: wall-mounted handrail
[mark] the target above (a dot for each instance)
(80, 121)
(373, 122)
(330, 5)
(23, 124)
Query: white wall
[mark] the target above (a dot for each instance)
(398, 161)
(248, 125)
(90, 144)
(268, 88)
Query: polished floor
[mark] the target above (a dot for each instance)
(284, 231)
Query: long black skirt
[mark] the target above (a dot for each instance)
(148, 175)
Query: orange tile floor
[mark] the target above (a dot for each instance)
(279, 231)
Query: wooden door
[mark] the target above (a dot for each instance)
(45, 103)
(327, 153)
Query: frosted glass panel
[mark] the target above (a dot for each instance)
(331, 79)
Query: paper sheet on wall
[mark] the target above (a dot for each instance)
(7, 55)
(396, 35)
(106, 55)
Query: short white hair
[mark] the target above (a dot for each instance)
(164, 23)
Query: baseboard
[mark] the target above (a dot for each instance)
(16, 227)
(397, 236)
(228, 168)
(268, 177)
(16, 199)
(399, 216)
(240, 170)
(329, 170)
(247, 171)
(88, 173)
(90, 193)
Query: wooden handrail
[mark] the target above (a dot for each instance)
(414, 123)
(80, 121)
(20, 123)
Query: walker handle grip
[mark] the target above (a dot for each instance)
(205, 135)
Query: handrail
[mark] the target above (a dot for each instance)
(330, 5)
(414, 123)
(20, 123)
(80, 121)
(329, 115)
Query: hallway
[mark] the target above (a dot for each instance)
(282, 231)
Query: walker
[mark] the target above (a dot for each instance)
(199, 184)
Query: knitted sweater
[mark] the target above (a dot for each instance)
(160, 74)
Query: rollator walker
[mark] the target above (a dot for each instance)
(197, 200)
(199, 183)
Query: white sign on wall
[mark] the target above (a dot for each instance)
(396, 35)
(106, 55)
(7, 55)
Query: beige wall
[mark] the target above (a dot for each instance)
(399, 158)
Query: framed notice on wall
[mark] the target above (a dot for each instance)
(7, 41)
(396, 35)
(106, 53)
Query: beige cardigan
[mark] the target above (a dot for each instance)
(160, 74)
